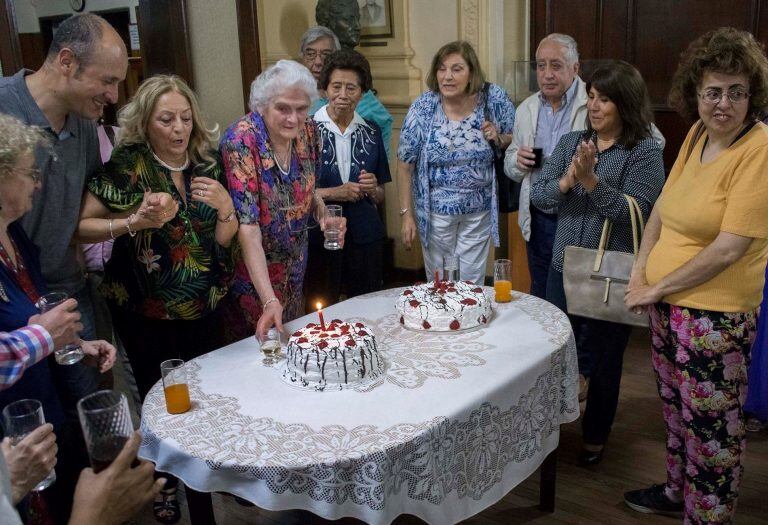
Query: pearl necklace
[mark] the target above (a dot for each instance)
(168, 166)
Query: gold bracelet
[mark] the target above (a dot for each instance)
(111, 232)
(270, 301)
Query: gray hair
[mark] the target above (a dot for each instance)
(285, 74)
(17, 139)
(80, 33)
(314, 34)
(571, 53)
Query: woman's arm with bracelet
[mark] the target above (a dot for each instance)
(98, 224)
(255, 260)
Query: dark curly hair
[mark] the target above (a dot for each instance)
(625, 87)
(348, 60)
(727, 51)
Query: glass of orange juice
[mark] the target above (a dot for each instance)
(175, 386)
(502, 281)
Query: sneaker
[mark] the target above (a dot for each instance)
(653, 500)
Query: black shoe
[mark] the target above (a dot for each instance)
(653, 500)
(588, 458)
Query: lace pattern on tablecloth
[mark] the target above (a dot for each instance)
(367, 464)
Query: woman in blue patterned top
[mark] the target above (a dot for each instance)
(447, 185)
(353, 169)
(586, 179)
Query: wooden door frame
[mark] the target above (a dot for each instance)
(174, 23)
(250, 52)
(10, 50)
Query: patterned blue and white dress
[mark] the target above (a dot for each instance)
(454, 163)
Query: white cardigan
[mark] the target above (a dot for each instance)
(526, 121)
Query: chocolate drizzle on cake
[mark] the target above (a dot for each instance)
(341, 355)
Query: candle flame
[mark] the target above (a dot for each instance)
(319, 306)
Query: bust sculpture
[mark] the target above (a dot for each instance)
(343, 18)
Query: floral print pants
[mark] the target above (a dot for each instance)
(701, 359)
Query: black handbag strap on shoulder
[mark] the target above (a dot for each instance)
(487, 116)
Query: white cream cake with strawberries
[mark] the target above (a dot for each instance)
(341, 356)
(444, 306)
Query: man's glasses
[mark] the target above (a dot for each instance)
(311, 54)
(714, 96)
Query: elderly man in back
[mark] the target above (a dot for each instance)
(317, 44)
(560, 106)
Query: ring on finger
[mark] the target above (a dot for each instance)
(201, 193)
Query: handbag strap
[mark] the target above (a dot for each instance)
(696, 136)
(638, 225)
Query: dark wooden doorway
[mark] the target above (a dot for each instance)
(650, 34)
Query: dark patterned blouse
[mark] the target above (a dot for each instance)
(178, 271)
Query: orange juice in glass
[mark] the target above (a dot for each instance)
(502, 283)
(175, 386)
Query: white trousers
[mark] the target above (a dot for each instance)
(467, 236)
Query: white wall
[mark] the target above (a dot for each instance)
(214, 46)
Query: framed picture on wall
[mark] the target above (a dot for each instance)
(375, 18)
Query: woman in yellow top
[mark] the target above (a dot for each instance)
(700, 272)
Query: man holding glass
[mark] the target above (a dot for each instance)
(559, 107)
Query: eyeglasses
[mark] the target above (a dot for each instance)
(714, 95)
(311, 54)
(32, 173)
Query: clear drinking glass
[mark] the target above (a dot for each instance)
(106, 423)
(502, 280)
(175, 386)
(332, 231)
(68, 354)
(22, 417)
(451, 268)
(271, 347)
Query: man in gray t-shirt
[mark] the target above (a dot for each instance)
(85, 63)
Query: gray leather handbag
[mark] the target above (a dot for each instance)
(595, 280)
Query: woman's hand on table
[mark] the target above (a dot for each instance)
(272, 315)
(99, 354)
(211, 192)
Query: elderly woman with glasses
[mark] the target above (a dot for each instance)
(700, 275)
(317, 44)
(270, 156)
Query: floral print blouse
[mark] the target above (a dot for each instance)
(178, 271)
(280, 203)
(454, 163)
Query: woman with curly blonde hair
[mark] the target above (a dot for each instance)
(171, 263)
(699, 272)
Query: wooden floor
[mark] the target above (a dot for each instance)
(634, 458)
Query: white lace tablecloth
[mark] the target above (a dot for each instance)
(457, 421)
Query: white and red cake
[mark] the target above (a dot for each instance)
(342, 355)
(444, 306)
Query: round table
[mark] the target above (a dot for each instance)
(457, 421)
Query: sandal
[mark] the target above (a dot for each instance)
(167, 510)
